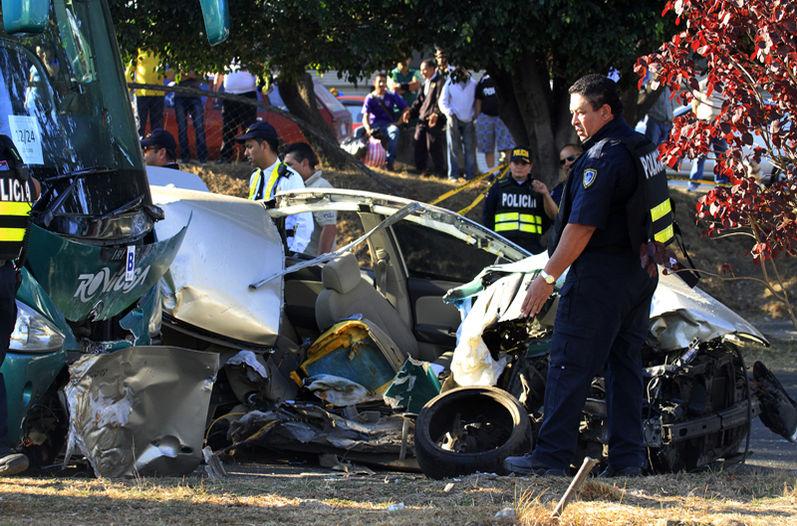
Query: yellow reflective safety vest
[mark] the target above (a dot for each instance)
(519, 214)
(263, 187)
(16, 199)
(653, 195)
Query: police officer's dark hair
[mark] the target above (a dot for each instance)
(429, 62)
(302, 151)
(273, 143)
(572, 145)
(598, 90)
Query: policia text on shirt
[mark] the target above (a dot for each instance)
(519, 208)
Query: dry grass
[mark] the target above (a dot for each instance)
(274, 496)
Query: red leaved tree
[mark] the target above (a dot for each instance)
(746, 52)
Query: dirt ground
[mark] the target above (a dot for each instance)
(279, 496)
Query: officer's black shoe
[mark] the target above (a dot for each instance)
(628, 471)
(12, 462)
(522, 466)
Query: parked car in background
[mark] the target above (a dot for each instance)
(332, 111)
(354, 104)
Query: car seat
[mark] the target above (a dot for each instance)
(347, 294)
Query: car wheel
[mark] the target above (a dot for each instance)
(470, 429)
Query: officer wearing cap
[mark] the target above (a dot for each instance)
(272, 176)
(602, 317)
(18, 191)
(518, 207)
(160, 149)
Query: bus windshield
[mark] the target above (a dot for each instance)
(64, 103)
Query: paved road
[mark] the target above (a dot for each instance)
(769, 449)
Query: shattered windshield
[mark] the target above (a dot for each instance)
(64, 102)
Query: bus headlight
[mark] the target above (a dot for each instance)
(34, 333)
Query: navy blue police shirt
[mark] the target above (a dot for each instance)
(601, 183)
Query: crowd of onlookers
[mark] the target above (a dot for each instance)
(453, 113)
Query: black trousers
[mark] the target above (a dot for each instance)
(8, 318)
(601, 324)
(149, 108)
(235, 116)
(430, 142)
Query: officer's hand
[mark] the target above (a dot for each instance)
(432, 120)
(536, 295)
(539, 187)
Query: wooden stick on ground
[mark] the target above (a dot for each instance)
(574, 486)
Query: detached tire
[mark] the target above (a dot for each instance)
(470, 429)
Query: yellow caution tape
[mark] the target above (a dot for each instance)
(468, 184)
(482, 195)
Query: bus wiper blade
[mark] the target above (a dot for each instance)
(124, 208)
(82, 173)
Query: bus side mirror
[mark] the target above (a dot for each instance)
(217, 20)
(25, 16)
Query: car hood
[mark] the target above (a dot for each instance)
(230, 242)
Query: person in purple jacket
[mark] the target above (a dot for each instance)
(382, 111)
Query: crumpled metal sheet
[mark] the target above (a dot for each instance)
(141, 410)
(230, 243)
(678, 313)
(294, 426)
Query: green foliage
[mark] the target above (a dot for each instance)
(279, 35)
(356, 37)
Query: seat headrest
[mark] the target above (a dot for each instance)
(342, 274)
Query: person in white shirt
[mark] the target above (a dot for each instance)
(457, 103)
(236, 114)
(272, 176)
(303, 160)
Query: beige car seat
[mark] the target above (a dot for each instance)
(346, 293)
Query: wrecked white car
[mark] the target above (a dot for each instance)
(321, 355)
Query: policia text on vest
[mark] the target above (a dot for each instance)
(517, 212)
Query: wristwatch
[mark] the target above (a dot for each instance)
(550, 280)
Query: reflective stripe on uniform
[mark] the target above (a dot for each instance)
(660, 210)
(507, 216)
(8, 208)
(507, 226)
(12, 234)
(270, 184)
(515, 221)
(662, 236)
(533, 229)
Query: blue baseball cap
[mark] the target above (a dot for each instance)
(160, 138)
(259, 130)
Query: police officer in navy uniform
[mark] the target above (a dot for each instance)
(602, 317)
(18, 191)
(518, 207)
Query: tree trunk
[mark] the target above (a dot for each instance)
(525, 106)
(299, 97)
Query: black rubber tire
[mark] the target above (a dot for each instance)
(510, 431)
